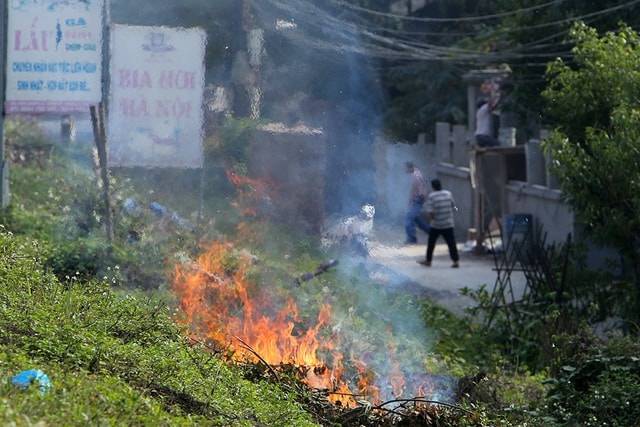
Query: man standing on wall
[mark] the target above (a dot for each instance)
(484, 124)
(416, 201)
(440, 208)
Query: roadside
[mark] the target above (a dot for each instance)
(440, 282)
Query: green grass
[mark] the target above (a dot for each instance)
(114, 359)
(101, 321)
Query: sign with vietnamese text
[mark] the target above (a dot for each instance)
(155, 108)
(54, 56)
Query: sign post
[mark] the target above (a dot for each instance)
(4, 175)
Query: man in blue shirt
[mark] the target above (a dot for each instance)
(416, 201)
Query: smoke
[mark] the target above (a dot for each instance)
(305, 66)
(291, 62)
(323, 60)
(309, 67)
(394, 341)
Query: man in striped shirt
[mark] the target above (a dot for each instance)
(440, 208)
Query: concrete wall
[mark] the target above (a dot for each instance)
(533, 193)
(392, 182)
(544, 205)
(453, 170)
(529, 194)
(289, 168)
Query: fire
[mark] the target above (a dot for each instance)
(219, 303)
(253, 194)
(253, 202)
(397, 377)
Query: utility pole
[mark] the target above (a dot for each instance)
(4, 167)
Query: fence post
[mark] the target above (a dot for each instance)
(443, 141)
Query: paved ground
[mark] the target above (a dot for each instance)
(439, 282)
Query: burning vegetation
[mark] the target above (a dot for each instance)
(348, 357)
(263, 325)
(222, 305)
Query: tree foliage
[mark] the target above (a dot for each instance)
(419, 101)
(524, 35)
(533, 38)
(595, 103)
(601, 77)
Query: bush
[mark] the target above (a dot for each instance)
(83, 259)
(232, 141)
(596, 380)
(561, 293)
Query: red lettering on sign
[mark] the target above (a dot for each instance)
(133, 79)
(181, 80)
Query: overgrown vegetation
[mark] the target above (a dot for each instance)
(114, 358)
(562, 294)
(596, 146)
(595, 380)
(100, 321)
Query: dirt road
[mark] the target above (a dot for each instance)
(440, 282)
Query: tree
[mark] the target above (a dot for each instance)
(524, 34)
(594, 101)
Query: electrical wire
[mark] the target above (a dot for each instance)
(348, 32)
(456, 20)
(565, 23)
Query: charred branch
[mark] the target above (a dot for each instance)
(322, 268)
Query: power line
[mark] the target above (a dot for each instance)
(564, 23)
(319, 29)
(440, 20)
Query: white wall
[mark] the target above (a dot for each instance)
(544, 204)
(392, 182)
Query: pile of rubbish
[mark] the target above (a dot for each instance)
(352, 233)
(164, 215)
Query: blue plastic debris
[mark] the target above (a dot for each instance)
(25, 378)
(163, 212)
(157, 208)
(130, 205)
(133, 237)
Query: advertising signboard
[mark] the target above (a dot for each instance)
(54, 56)
(155, 108)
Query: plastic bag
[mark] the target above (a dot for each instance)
(25, 378)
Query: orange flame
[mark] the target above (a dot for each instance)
(397, 376)
(251, 192)
(253, 201)
(220, 304)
